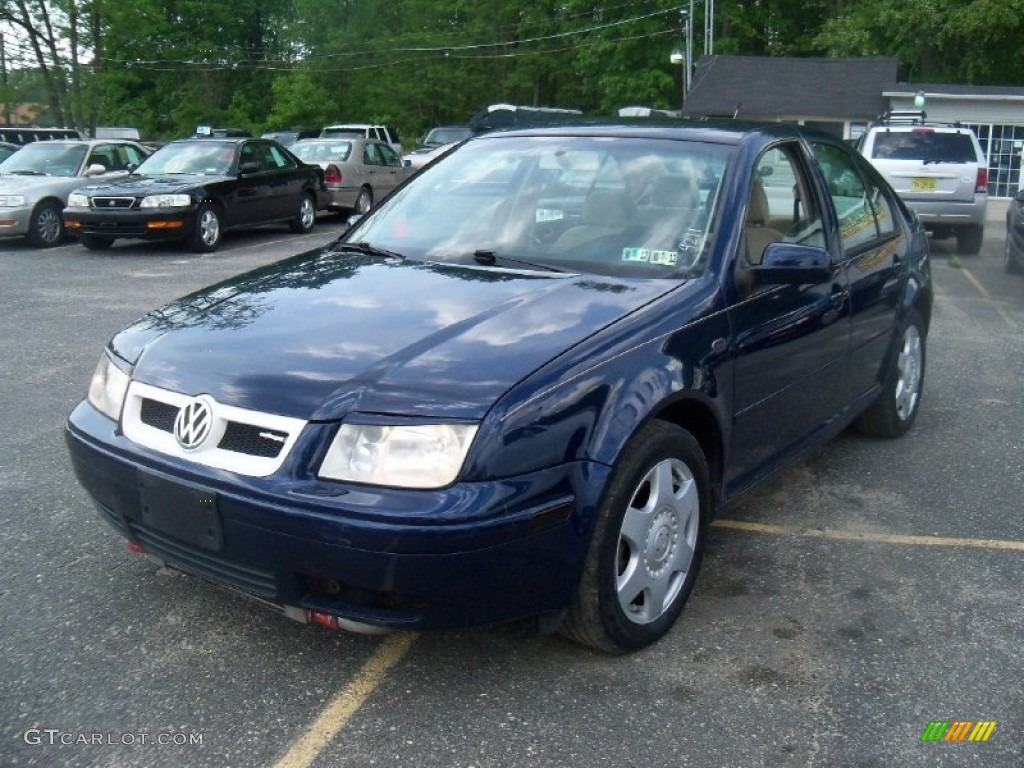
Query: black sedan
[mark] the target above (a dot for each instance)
(194, 190)
(523, 384)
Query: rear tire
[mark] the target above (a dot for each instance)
(95, 243)
(306, 217)
(647, 544)
(894, 411)
(365, 201)
(969, 239)
(46, 227)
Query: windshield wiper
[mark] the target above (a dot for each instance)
(28, 173)
(367, 249)
(490, 259)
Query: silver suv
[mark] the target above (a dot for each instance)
(939, 171)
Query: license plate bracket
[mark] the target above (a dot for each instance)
(185, 511)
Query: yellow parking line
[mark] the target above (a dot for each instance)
(878, 538)
(986, 295)
(347, 702)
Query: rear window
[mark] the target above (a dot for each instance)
(928, 146)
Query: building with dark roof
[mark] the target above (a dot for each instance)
(843, 96)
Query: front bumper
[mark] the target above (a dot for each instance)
(150, 224)
(15, 221)
(474, 553)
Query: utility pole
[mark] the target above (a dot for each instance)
(3, 80)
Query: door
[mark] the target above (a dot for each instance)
(874, 246)
(790, 342)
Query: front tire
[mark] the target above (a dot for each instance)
(894, 411)
(306, 217)
(46, 227)
(206, 235)
(647, 544)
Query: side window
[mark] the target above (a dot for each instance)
(276, 159)
(389, 156)
(850, 195)
(370, 154)
(103, 154)
(132, 155)
(248, 154)
(781, 207)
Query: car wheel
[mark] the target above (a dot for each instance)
(94, 243)
(46, 228)
(365, 201)
(206, 235)
(893, 413)
(647, 544)
(1011, 263)
(968, 240)
(306, 217)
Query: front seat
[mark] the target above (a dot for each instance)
(757, 234)
(605, 212)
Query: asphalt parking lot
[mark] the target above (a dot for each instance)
(870, 590)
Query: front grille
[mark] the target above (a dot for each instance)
(201, 563)
(113, 202)
(252, 440)
(159, 415)
(242, 440)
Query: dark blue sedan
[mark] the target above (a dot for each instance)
(523, 385)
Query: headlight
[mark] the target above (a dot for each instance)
(77, 200)
(165, 201)
(408, 456)
(11, 201)
(108, 388)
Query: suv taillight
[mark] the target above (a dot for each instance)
(982, 184)
(332, 175)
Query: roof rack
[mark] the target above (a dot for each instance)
(902, 117)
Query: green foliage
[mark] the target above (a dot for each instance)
(165, 66)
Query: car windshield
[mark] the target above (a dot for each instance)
(46, 159)
(209, 158)
(439, 136)
(317, 151)
(343, 133)
(924, 144)
(612, 206)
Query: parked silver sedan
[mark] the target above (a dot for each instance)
(36, 180)
(357, 172)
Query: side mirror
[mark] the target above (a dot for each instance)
(95, 169)
(1019, 197)
(406, 163)
(250, 166)
(352, 220)
(791, 264)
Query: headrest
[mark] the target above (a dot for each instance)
(757, 207)
(608, 208)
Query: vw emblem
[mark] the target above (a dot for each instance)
(193, 423)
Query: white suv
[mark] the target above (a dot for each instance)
(939, 171)
(384, 133)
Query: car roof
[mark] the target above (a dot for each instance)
(718, 132)
(82, 142)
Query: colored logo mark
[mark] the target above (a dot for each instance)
(958, 730)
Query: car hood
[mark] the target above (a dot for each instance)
(18, 184)
(159, 184)
(324, 334)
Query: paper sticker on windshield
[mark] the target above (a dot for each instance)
(549, 214)
(649, 256)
